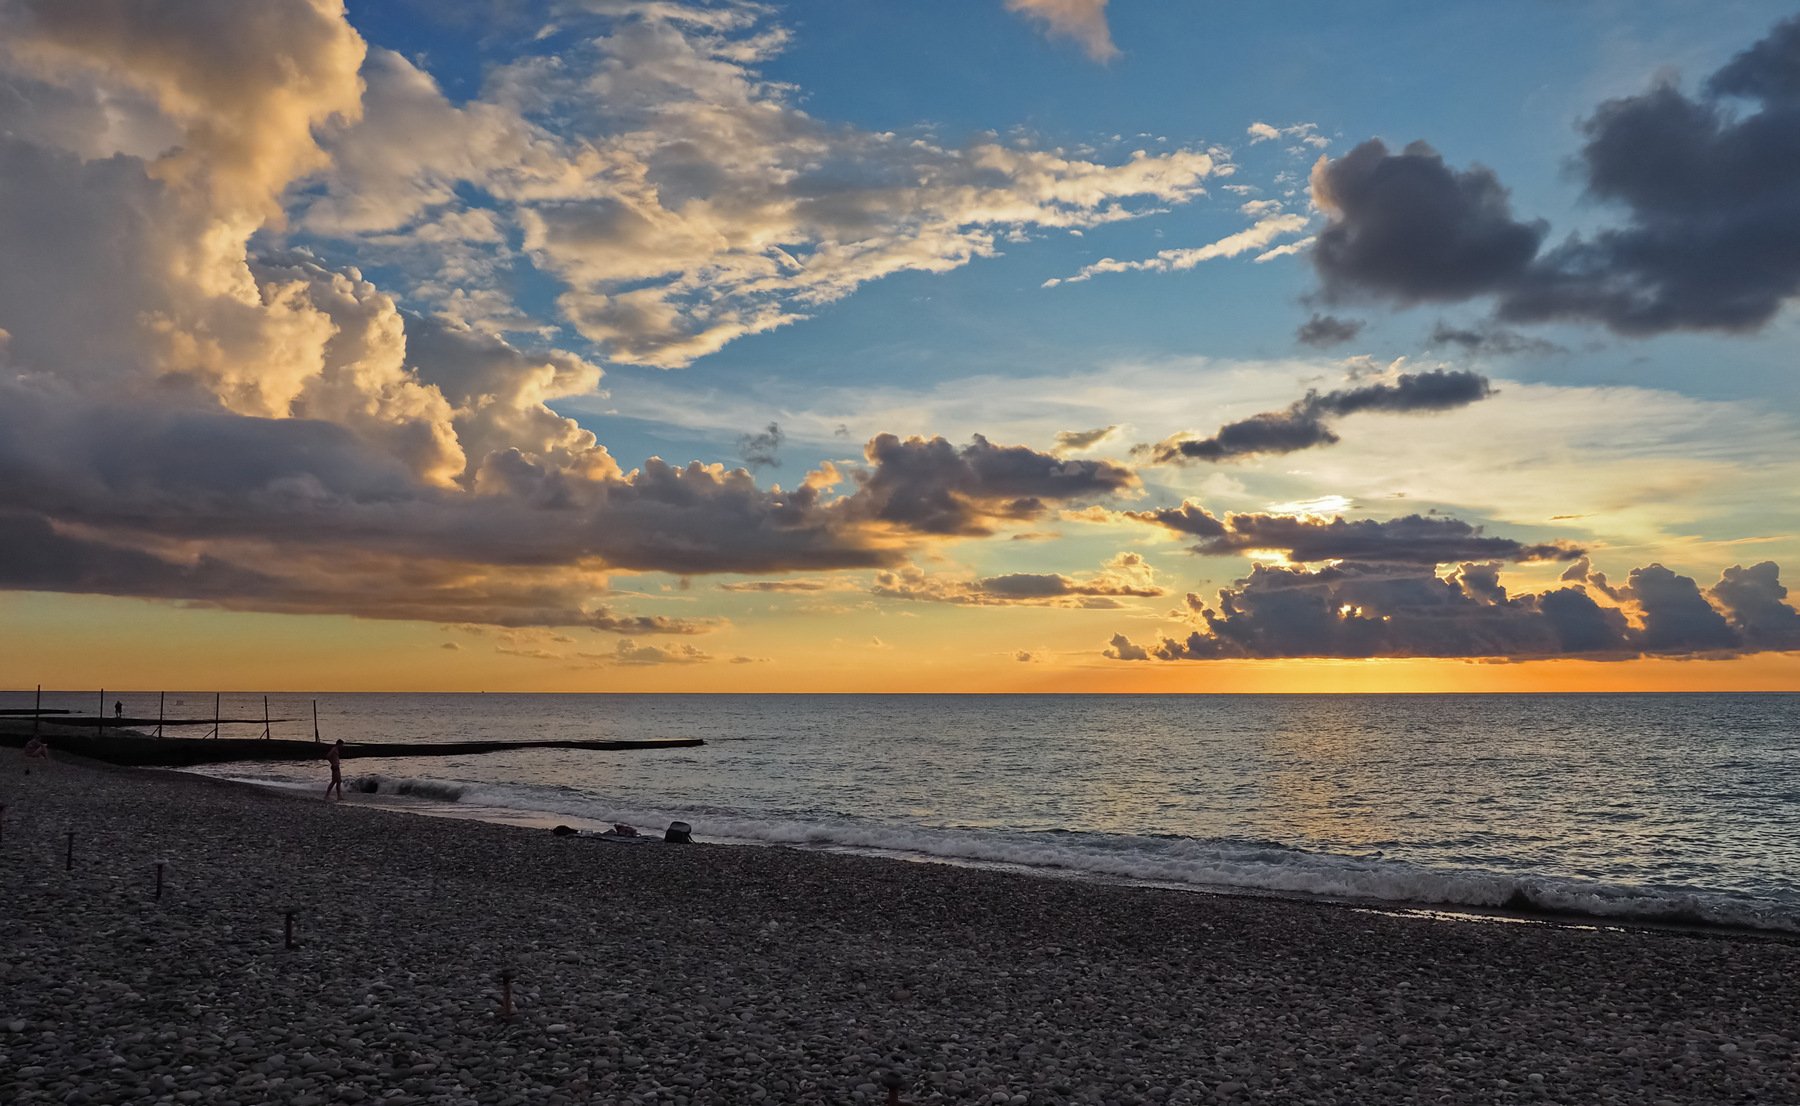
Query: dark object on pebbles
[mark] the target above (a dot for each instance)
(564, 831)
(679, 833)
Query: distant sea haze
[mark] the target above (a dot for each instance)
(1669, 807)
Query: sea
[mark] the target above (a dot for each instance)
(1666, 808)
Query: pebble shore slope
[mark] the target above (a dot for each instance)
(709, 974)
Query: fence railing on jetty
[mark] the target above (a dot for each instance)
(127, 746)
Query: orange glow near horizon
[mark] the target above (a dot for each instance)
(79, 642)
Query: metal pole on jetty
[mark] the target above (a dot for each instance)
(265, 718)
(100, 715)
(215, 732)
(316, 740)
(37, 712)
(160, 696)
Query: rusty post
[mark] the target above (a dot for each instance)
(100, 720)
(215, 732)
(291, 943)
(265, 718)
(160, 697)
(506, 1001)
(159, 871)
(316, 740)
(892, 1081)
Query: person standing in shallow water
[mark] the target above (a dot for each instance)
(333, 755)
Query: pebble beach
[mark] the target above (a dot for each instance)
(715, 974)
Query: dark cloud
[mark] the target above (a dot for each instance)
(930, 486)
(1409, 228)
(1754, 601)
(763, 449)
(1487, 338)
(1077, 441)
(1708, 185)
(301, 515)
(1359, 609)
(1125, 576)
(1305, 424)
(1412, 539)
(1325, 331)
(1189, 518)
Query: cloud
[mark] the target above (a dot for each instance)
(762, 449)
(1712, 203)
(1488, 338)
(1125, 576)
(1306, 134)
(1255, 237)
(1080, 441)
(630, 653)
(1359, 609)
(1324, 331)
(1708, 191)
(1412, 539)
(1305, 423)
(930, 486)
(1409, 228)
(1082, 20)
(679, 198)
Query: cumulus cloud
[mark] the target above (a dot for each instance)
(1125, 576)
(1705, 182)
(1306, 423)
(930, 486)
(1082, 20)
(1410, 228)
(1362, 609)
(188, 415)
(1324, 331)
(681, 199)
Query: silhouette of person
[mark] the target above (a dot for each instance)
(118, 709)
(337, 775)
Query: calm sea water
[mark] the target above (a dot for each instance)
(1681, 806)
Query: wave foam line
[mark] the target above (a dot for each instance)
(1202, 863)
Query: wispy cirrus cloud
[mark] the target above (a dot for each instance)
(681, 199)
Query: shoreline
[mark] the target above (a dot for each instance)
(1522, 910)
(707, 973)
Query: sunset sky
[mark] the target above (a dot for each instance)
(937, 345)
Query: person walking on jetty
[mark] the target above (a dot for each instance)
(333, 755)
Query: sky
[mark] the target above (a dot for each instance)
(937, 346)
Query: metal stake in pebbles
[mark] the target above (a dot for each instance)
(159, 874)
(291, 943)
(506, 1002)
(892, 1081)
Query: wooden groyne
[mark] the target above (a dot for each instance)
(139, 751)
